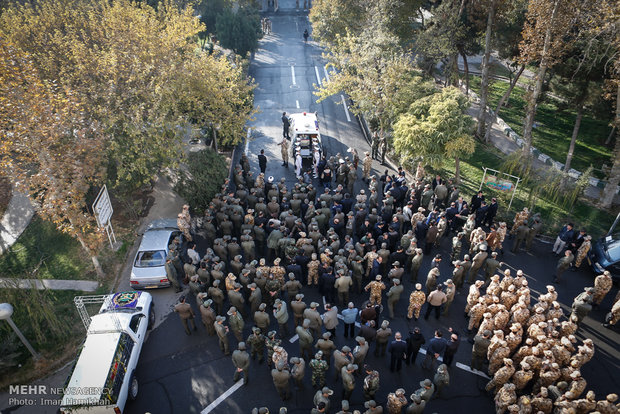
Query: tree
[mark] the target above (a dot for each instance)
(239, 29)
(436, 127)
(373, 70)
(546, 35)
(484, 84)
(334, 18)
(580, 79)
(121, 58)
(50, 148)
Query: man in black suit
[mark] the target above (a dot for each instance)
(398, 352)
(481, 213)
(491, 212)
(262, 161)
(476, 202)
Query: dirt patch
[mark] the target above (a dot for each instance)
(6, 191)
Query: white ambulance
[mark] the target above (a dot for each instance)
(306, 138)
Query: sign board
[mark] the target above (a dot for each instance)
(103, 207)
(498, 184)
(509, 183)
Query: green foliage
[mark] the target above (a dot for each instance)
(132, 66)
(239, 30)
(554, 127)
(554, 214)
(44, 252)
(435, 127)
(206, 171)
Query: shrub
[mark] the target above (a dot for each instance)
(206, 171)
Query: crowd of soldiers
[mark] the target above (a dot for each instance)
(266, 240)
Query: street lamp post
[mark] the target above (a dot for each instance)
(6, 310)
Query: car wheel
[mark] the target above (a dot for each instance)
(151, 317)
(133, 387)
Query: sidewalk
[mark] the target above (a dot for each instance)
(53, 284)
(15, 220)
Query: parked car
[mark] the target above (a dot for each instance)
(148, 270)
(605, 252)
(104, 376)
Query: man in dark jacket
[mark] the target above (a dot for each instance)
(286, 123)
(262, 161)
(451, 348)
(491, 212)
(398, 351)
(476, 202)
(414, 343)
(435, 348)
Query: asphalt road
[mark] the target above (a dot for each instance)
(185, 374)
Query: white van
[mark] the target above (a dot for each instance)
(306, 137)
(104, 376)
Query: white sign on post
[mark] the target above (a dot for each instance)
(102, 207)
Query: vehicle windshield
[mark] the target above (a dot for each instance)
(150, 258)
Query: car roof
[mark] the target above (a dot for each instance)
(88, 376)
(156, 239)
(167, 223)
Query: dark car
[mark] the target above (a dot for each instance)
(605, 252)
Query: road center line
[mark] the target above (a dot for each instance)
(346, 110)
(318, 77)
(326, 73)
(297, 103)
(293, 74)
(473, 371)
(294, 338)
(222, 397)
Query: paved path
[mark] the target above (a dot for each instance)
(83, 285)
(15, 220)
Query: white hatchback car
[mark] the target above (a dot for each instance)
(148, 270)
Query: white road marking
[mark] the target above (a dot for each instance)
(294, 338)
(326, 73)
(473, 371)
(324, 303)
(318, 77)
(222, 397)
(247, 140)
(293, 74)
(346, 110)
(297, 103)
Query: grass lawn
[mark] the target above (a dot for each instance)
(48, 253)
(596, 222)
(47, 318)
(553, 128)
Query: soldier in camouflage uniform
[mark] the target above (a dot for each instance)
(319, 368)
(396, 401)
(505, 397)
(450, 291)
(602, 285)
(366, 166)
(313, 270)
(271, 342)
(441, 379)
(499, 357)
(416, 300)
(298, 371)
(457, 245)
(371, 383)
(256, 340)
(522, 377)
(583, 250)
(376, 286)
(520, 218)
(280, 357)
